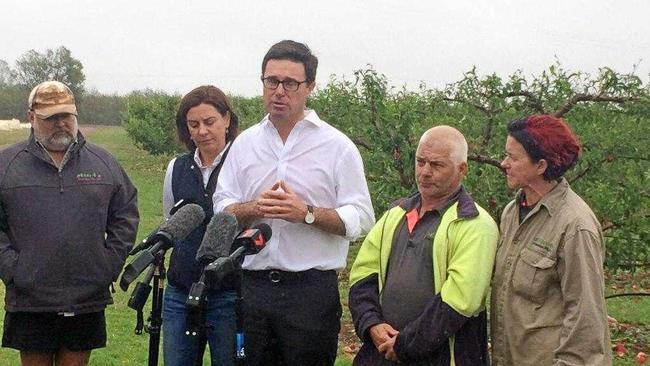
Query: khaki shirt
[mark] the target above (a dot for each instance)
(547, 304)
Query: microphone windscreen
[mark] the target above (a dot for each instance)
(178, 205)
(265, 229)
(184, 221)
(218, 238)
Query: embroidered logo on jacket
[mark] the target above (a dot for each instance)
(89, 177)
(542, 244)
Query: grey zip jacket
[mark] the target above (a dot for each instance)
(64, 232)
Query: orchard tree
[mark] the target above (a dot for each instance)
(6, 78)
(609, 112)
(33, 68)
(12, 97)
(150, 119)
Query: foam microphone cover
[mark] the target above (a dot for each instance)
(184, 221)
(219, 235)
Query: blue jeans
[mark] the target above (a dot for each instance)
(180, 349)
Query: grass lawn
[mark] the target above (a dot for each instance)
(146, 171)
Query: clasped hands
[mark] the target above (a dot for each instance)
(280, 202)
(384, 336)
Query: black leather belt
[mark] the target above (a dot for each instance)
(277, 276)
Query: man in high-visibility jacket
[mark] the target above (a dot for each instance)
(420, 280)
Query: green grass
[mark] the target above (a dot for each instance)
(633, 315)
(147, 173)
(9, 137)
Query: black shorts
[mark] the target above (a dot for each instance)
(49, 332)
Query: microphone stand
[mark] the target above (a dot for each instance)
(221, 268)
(240, 355)
(155, 319)
(140, 295)
(196, 323)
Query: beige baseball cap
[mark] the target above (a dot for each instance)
(51, 97)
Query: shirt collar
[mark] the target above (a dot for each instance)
(551, 200)
(466, 207)
(310, 118)
(217, 159)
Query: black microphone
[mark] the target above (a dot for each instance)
(253, 239)
(157, 235)
(218, 246)
(178, 226)
(218, 238)
(249, 241)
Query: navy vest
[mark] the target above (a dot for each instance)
(187, 184)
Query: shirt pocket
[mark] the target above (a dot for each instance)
(533, 275)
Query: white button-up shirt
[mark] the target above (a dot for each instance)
(323, 167)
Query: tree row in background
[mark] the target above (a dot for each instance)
(94, 107)
(610, 112)
(34, 67)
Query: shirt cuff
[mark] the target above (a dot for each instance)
(350, 217)
(221, 205)
(368, 321)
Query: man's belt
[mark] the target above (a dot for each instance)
(277, 276)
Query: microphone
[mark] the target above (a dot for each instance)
(178, 205)
(250, 241)
(253, 239)
(156, 235)
(218, 238)
(216, 243)
(180, 225)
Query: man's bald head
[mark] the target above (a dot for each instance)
(440, 165)
(447, 136)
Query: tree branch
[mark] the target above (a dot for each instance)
(591, 98)
(405, 179)
(360, 142)
(487, 136)
(585, 171)
(633, 264)
(486, 160)
(532, 100)
(628, 294)
(477, 106)
(609, 226)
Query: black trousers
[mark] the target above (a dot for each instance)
(291, 318)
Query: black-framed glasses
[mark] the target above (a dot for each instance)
(288, 84)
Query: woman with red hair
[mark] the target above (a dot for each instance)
(547, 305)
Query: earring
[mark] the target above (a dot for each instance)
(226, 130)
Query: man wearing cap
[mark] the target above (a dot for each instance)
(68, 217)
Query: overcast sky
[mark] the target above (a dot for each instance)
(177, 45)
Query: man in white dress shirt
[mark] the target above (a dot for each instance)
(305, 179)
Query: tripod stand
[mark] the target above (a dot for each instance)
(139, 297)
(155, 319)
(203, 300)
